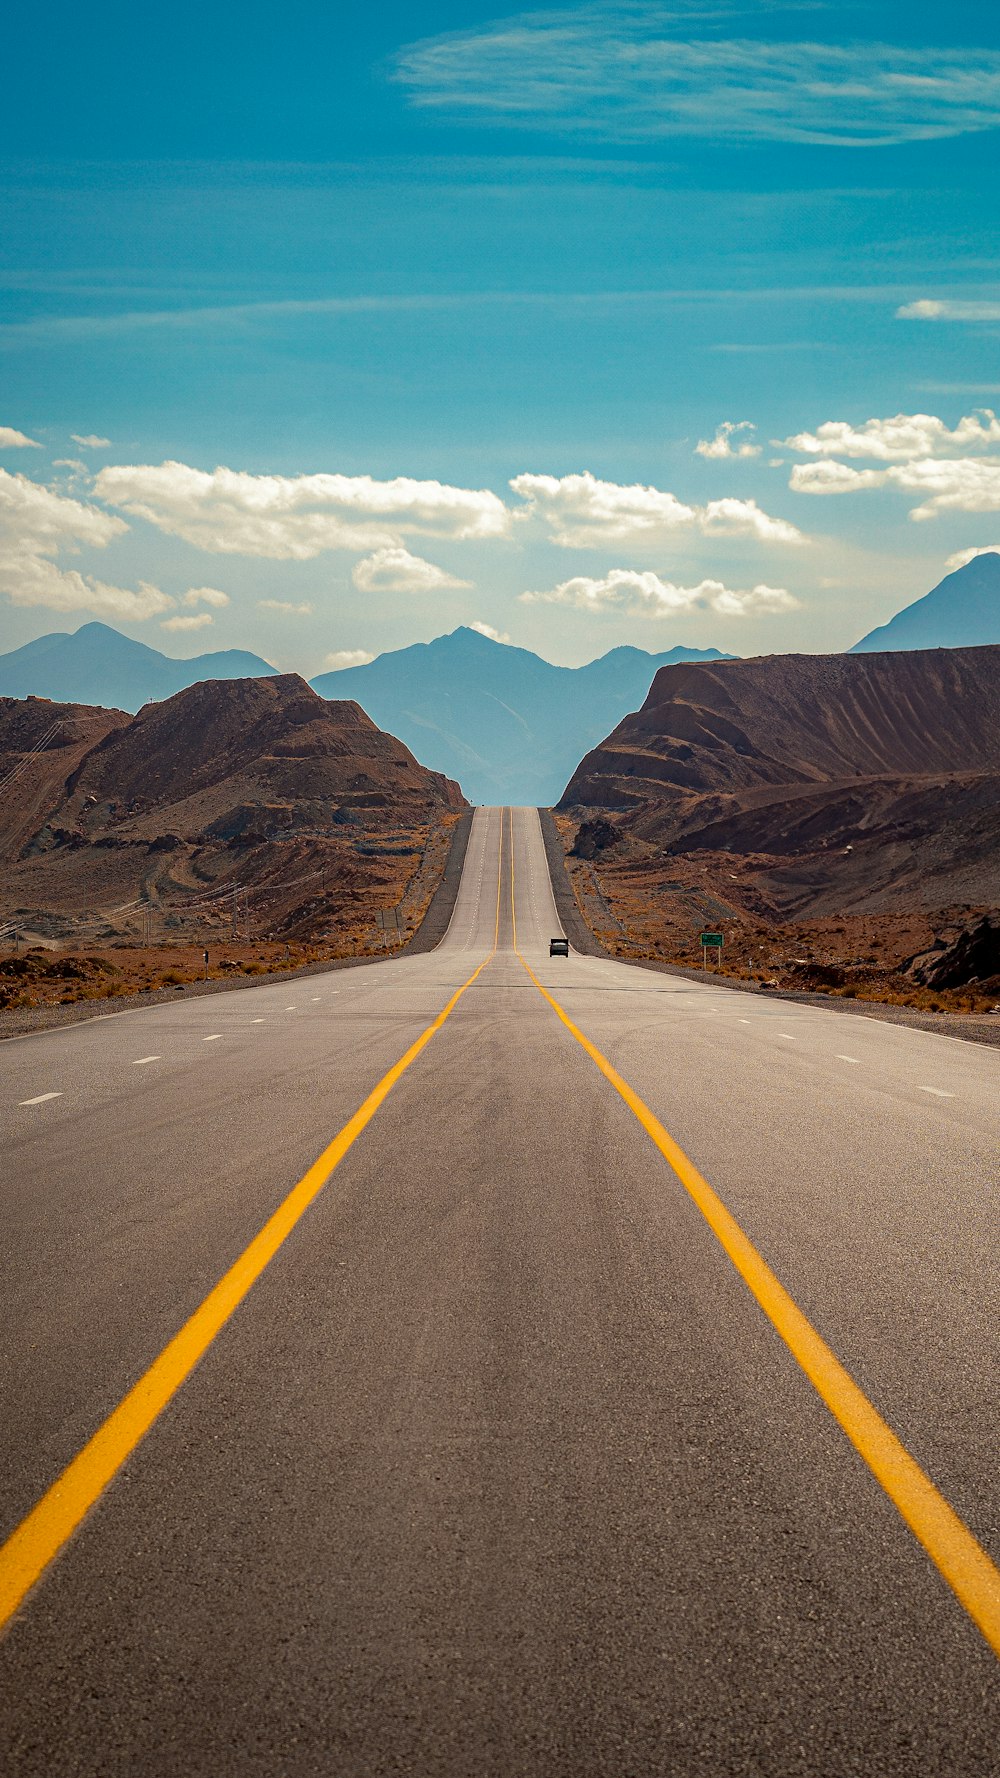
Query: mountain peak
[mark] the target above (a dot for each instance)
(98, 665)
(962, 611)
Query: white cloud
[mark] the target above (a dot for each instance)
(964, 484)
(36, 526)
(482, 629)
(638, 73)
(90, 441)
(583, 512)
(11, 439)
(206, 595)
(644, 594)
(295, 518)
(901, 438)
(744, 518)
(394, 570)
(200, 622)
(70, 463)
(961, 556)
(928, 309)
(347, 657)
(286, 607)
(723, 445)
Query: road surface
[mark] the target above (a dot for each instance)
(499, 1467)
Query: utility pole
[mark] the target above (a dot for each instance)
(236, 924)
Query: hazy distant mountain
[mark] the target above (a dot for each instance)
(963, 611)
(96, 665)
(508, 725)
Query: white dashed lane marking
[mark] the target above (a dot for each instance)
(256, 1021)
(140, 1061)
(855, 1059)
(938, 1092)
(41, 1098)
(787, 1036)
(214, 1037)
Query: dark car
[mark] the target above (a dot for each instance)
(558, 947)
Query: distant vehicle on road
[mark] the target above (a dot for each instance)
(558, 947)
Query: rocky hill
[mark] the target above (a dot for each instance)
(263, 755)
(841, 781)
(254, 786)
(41, 745)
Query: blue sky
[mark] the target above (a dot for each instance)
(451, 296)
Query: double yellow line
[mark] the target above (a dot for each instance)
(962, 1561)
(951, 1546)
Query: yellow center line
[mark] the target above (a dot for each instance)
(963, 1562)
(53, 1520)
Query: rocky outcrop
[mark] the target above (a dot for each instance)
(974, 956)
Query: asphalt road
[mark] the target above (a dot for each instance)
(498, 1468)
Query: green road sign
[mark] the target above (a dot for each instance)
(712, 939)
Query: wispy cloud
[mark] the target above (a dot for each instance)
(634, 73)
(239, 315)
(962, 556)
(201, 622)
(932, 309)
(13, 440)
(286, 607)
(91, 441)
(347, 657)
(644, 594)
(206, 595)
(728, 443)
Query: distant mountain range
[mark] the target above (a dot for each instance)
(510, 727)
(962, 611)
(97, 665)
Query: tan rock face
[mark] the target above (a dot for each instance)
(850, 781)
(799, 719)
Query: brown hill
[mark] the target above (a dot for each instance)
(41, 745)
(300, 810)
(785, 719)
(250, 755)
(844, 781)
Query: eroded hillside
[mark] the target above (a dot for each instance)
(834, 809)
(249, 809)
